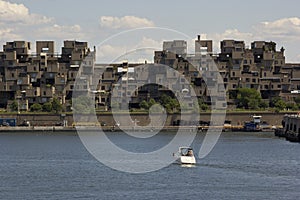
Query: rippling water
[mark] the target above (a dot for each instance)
(241, 166)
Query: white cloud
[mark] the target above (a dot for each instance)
(108, 53)
(58, 31)
(286, 29)
(229, 34)
(7, 34)
(135, 52)
(18, 13)
(147, 42)
(18, 23)
(124, 22)
(234, 34)
(285, 32)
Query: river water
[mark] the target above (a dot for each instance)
(57, 166)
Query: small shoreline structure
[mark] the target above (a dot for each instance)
(290, 128)
(254, 125)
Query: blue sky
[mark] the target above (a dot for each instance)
(94, 21)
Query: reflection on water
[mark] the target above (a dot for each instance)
(188, 165)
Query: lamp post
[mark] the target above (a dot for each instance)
(23, 92)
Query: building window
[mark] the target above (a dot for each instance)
(12, 75)
(233, 73)
(44, 93)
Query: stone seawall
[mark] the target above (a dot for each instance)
(237, 118)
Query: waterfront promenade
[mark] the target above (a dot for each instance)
(51, 119)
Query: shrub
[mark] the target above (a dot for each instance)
(36, 107)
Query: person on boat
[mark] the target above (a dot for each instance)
(189, 153)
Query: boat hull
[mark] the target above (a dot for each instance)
(187, 160)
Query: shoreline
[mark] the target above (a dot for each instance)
(107, 129)
(143, 119)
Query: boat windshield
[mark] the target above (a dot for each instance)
(186, 152)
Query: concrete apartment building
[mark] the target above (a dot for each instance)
(39, 77)
(260, 67)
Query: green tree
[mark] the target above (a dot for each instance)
(291, 106)
(164, 99)
(248, 98)
(83, 104)
(14, 106)
(144, 105)
(56, 105)
(47, 107)
(202, 105)
(253, 104)
(36, 107)
(274, 101)
(263, 105)
(175, 105)
(280, 104)
(151, 102)
(170, 104)
(297, 100)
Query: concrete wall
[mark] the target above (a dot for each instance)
(143, 119)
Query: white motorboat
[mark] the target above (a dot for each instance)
(185, 155)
